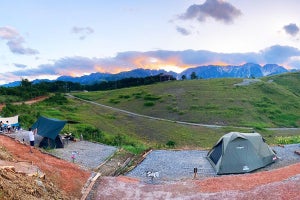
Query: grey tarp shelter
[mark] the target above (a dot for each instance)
(49, 128)
(240, 153)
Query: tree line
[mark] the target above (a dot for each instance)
(27, 90)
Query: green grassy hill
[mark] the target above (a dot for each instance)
(271, 102)
(261, 104)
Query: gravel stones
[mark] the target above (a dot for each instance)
(178, 165)
(87, 154)
(174, 165)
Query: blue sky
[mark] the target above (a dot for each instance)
(50, 38)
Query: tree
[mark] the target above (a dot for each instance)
(25, 83)
(183, 77)
(193, 75)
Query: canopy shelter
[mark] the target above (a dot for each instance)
(240, 153)
(13, 121)
(49, 128)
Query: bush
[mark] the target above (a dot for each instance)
(118, 140)
(89, 133)
(135, 149)
(149, 103)
(170, 144)
(151, 97)
(124, 96)
(288, 140)
(57, 99)
(114, 101)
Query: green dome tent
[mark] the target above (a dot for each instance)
(240, 153)
(49, 129)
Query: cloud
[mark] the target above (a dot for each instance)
(124, 61)
(217, 9)
(63, 66)
(279, 54)
(291, 29)
(183, 31)
(15, 41)
(7, 33)
(21, 66)
(83, 32)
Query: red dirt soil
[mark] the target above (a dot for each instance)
(69, 177)
(283, 183)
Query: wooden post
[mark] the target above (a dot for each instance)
(195, 172)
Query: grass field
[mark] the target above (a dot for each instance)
(215, 101)
(269, 103)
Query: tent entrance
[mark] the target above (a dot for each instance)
(49, 143)
(216, 153)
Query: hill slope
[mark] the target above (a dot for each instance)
(262, 103)
(253, 103)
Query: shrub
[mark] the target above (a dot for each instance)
(288, 139)
(170, 144)
(151, 97)
(90, 133)
(114, 101)
(57, 99)
(149, 103)
(135, 149)
(118, 140)
(124, 96)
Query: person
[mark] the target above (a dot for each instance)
(31, 134)
(1, 126)
(8, 126)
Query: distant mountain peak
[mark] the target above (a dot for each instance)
(247, 70)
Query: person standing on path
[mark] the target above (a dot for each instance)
(31, 138)
(8, 126)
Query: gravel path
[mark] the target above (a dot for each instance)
(178, 165)
(247, 82)
(89, 155)
(173, 165)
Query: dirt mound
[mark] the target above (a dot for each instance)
(62, 180)
(22, 180)
(16, 185)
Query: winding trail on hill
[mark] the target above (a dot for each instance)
(29, 102)
(167, 120)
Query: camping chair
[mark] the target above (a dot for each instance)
(67, 137)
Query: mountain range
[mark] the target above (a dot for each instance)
(248, 70)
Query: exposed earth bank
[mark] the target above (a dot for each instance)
(61, 180)
(283, 183)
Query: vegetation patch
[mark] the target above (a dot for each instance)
(149, 103)
(288, 139)
(114, 101)
(124, 96)
(151, 97)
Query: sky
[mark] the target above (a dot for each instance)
(50, 38)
